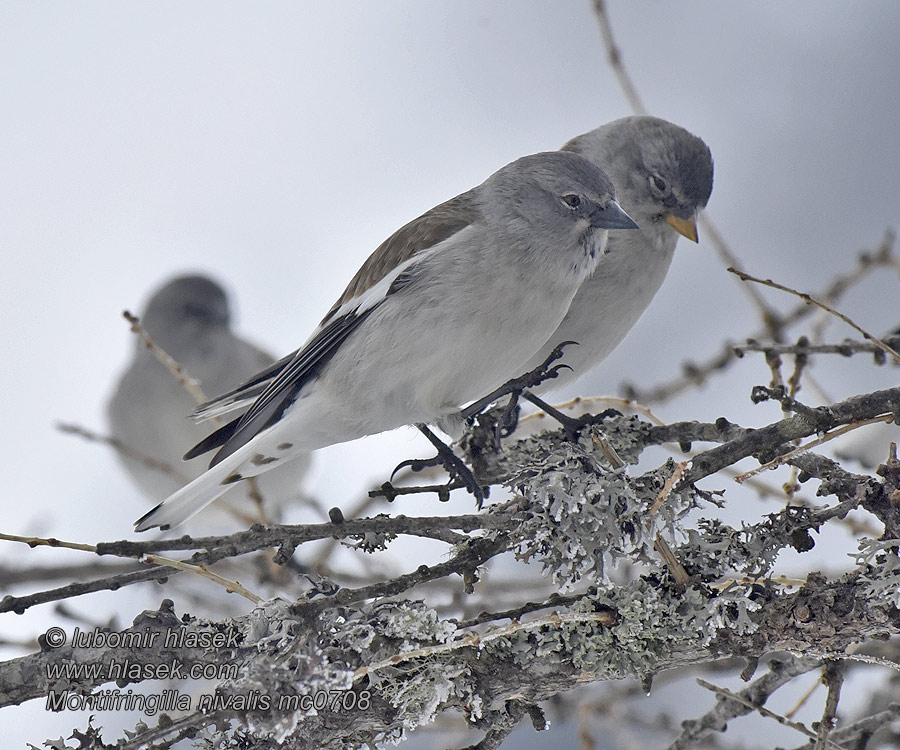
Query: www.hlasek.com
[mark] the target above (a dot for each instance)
(134, 670)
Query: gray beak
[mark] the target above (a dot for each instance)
(611, 216)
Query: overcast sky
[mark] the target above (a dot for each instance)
(276, 144)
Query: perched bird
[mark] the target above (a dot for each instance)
(447, 309)
(189, 318)
(663, 176)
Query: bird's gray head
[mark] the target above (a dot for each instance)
(554, 196)
(186, 302)
(662, 172)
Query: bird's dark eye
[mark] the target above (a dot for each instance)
(658, 183)
(572, 200)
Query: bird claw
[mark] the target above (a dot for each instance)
(554, 371)
(416, 465)
(468, 481)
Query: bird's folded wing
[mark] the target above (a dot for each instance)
(282, 389)
(242, 396)
(388, 270)
(419, 235)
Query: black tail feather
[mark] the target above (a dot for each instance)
(214, 440)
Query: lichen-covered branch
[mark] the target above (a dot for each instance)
(280, 653)
(574, 515)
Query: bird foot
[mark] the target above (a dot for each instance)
(454, 465)
(461, 476)
(515, 388)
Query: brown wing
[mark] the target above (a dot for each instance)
(432, 227)
(279, 384)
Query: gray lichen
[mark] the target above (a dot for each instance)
(582, 513)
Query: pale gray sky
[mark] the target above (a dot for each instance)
(276, 144)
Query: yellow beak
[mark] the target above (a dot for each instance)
(684, 227)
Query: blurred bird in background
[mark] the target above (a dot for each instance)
(189, 318)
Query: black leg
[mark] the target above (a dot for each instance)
(514, 387)
(571, 424)
(454, 465)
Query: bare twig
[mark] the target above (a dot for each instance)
(828, 436)
(797, 426)
(221, 547)
(696, 373)
(554, 600)
(846, 348)
(18, 575)
(614, 57)
(810, 300)
(667, 487)
(676, 569)
(36, 541)
(865, 727)
(609, 453)
(191, 384)
(761, 710)
(834, 679)
(744, 702)
(802, 700)
(232, 587)
(123, 449)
